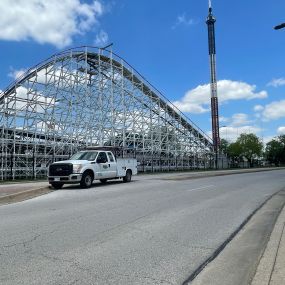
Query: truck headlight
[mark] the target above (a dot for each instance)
(77, 168)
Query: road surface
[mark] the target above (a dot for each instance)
(155, 230)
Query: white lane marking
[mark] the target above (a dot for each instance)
(200, 188)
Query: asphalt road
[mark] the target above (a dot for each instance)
(154, 230)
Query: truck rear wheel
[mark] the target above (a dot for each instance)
(56, 185)
(86, 180)
(128, 176)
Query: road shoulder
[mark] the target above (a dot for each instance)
(236, 263)
(271, 268)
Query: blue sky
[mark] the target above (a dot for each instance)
(166, 41)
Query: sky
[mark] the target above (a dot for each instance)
(166, 42)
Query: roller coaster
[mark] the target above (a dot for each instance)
(85, 97)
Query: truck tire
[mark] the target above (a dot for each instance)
(56, 185)
(103, 181)
(128, 176)
(86, 180)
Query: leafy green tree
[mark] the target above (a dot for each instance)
(282, 140)
(234, 151)
(275, 150)
(251, 147)
(224, 145)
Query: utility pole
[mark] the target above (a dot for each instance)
(214, 96)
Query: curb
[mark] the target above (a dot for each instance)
(270, 269)
(186, 176)
(24, 195)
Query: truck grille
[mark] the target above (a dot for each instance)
(60, 169)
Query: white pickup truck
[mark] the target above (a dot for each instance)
(86, 166)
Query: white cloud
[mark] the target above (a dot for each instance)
(15, 74)
(191, 108)
(223, 119)
(277, 82)
(281, 130)
(101, 39)
(258, 108)
(197, 100)
(239, 123)
(231, 133)
(54, 22)
(267, 139)
(274, 110)
(183, 20)
(240, 119)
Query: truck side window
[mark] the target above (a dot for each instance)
(102, 156)
(111, 158)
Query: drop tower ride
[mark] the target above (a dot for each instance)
(214, 96)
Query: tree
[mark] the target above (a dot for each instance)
(251, 147)
(281, 138)
(235, 152)
(275, 150)
(224, 145)
(282, 141)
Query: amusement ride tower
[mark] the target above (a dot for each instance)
(214, 97)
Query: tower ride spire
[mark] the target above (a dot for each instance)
(214, 97)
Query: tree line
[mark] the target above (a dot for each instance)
(249, 147)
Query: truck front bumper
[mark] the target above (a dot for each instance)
(72, 178)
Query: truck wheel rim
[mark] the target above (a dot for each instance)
(88, 180)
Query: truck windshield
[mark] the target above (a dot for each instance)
(84, 155)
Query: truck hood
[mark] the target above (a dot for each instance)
(73, 162)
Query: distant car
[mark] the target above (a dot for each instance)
(86, 166)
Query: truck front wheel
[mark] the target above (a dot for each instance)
(128, 176)
(86, 180)
(56, 185)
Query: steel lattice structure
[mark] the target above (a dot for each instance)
(85, 97)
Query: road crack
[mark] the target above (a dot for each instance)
(71, 262)
(23, 243)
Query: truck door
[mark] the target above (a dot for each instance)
(112, 165)
(102, 168)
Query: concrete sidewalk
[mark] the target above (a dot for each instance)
(19, 191)
(271, 268)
